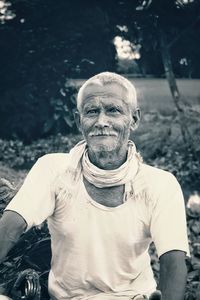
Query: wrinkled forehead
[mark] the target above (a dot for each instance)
(97, 89)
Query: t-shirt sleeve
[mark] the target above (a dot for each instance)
(168, 219)
(35, 201)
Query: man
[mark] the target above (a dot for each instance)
(104, 206)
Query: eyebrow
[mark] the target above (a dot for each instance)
(107, 106)
(110, 105)
(89, 105)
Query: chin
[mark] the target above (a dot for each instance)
(103, 147)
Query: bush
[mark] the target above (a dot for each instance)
(16, 154)
(27, 115)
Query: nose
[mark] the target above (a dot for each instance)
(102, 121)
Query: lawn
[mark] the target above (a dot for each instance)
(154, 94)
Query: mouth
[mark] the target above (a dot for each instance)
(102, 134)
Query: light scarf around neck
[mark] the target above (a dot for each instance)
(79, 163)
(79, 166)
(102, 178)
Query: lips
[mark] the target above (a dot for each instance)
(102, 134)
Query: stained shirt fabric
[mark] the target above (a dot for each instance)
(101, 252)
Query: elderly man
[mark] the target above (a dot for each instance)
(104, 206)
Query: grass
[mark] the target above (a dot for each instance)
(154, 94)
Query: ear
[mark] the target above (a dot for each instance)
(77, 119)
(136, 119)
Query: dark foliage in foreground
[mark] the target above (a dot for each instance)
(182, 161)
(17, 155)
(33, 249)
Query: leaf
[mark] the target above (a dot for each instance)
(195, 263)
(68, 121)
(195, 227)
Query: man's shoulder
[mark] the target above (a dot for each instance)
(155, 171)
(54, 161)
(157, 179)
(54, 157)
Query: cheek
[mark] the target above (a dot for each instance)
(86, 124)
(123, 126)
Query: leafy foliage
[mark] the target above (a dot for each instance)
(6, 13)
(25, 254)
(61, 119)
(45, 44)
(17, 155)
(24, 115)
(143, 20)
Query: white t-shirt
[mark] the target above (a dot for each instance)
(101, 252)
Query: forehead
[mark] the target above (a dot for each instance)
(94, 92)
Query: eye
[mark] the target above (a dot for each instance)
(113, 110)
(91, 111)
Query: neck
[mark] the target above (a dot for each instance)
(107, 160)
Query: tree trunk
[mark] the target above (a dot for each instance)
(166, 59)
(167, 63)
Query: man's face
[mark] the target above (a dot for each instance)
(105, 117)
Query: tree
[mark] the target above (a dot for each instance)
(6, 13)
(44, 45)
(158, 26)
(164, 26)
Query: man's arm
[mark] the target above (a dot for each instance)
(12, 225)
(173, 274)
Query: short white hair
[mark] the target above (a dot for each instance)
(105, 78)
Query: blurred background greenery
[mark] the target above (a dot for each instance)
(49, 48)
(45, 44)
